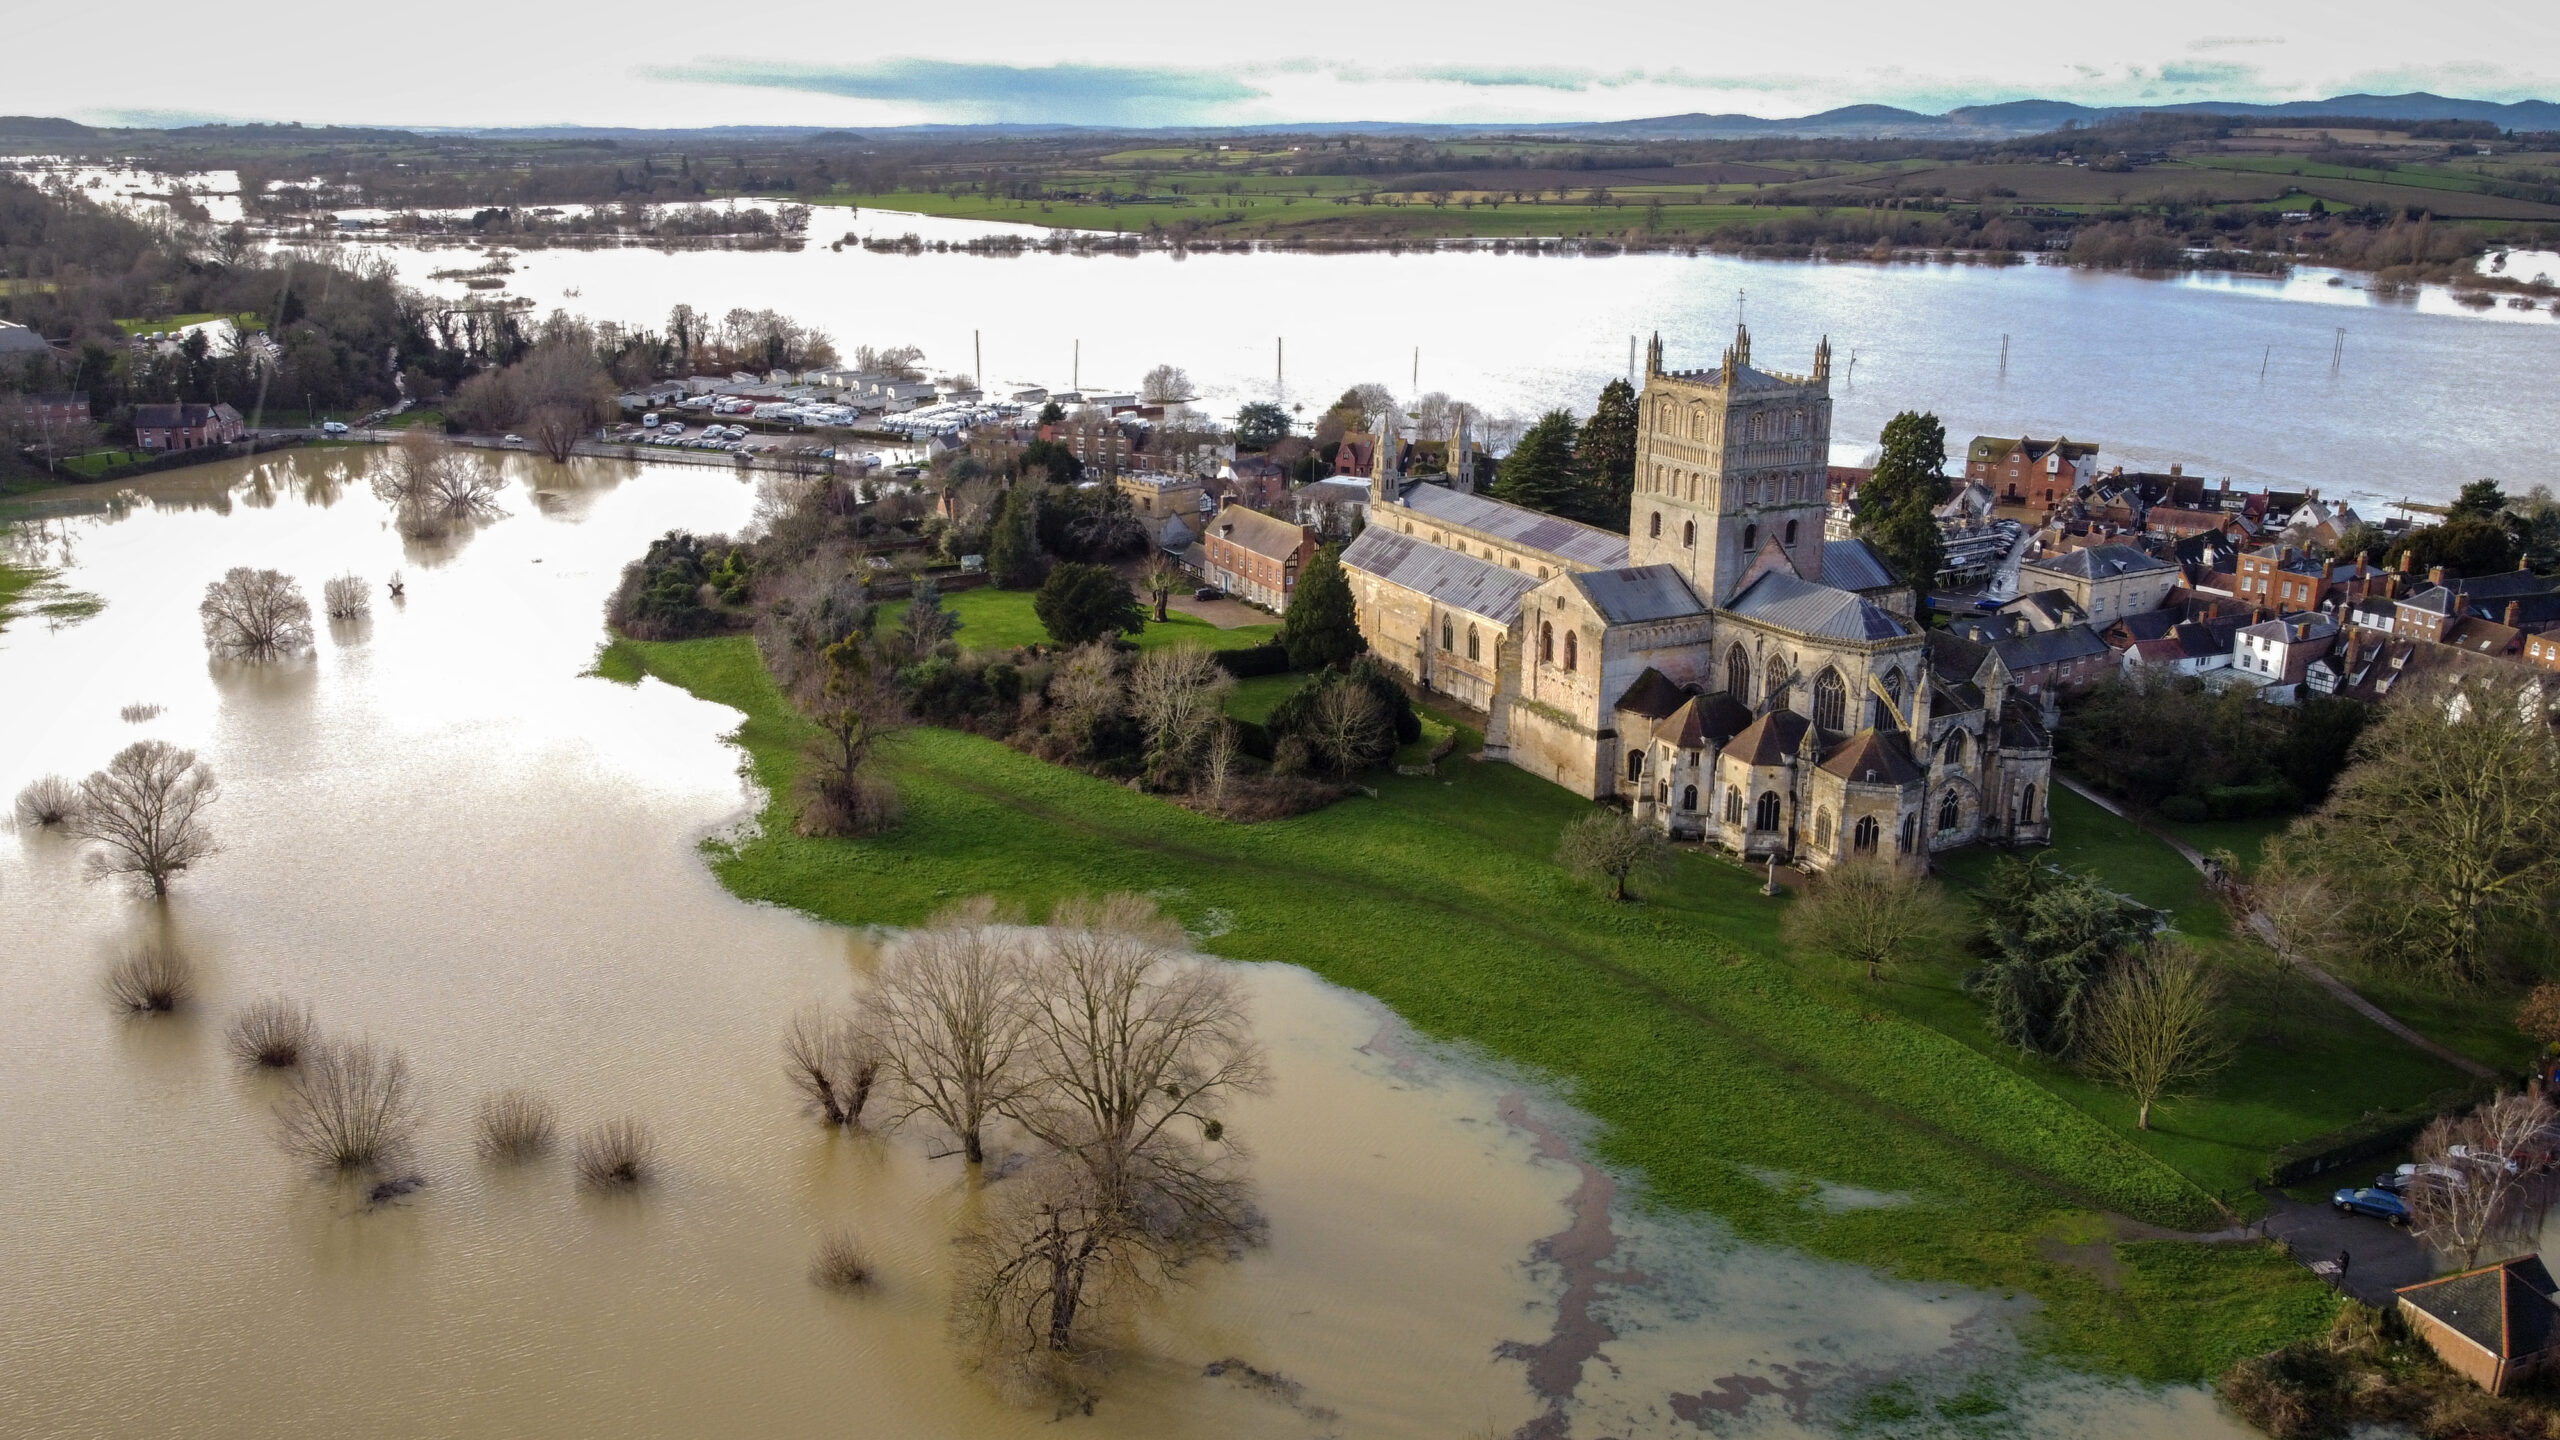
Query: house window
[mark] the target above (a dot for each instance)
(1865, 838)
(1472, 646)
(1688, 797)
(1765, 815)
(1830, 700)
(1546, 643)
(1572, 650)
(1733, 804)
(1689, 533)
(1950, 813)
(1656, 531)
(1635, 764)
(1737, 674)
(1821, 829)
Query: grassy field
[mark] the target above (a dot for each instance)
(1256, 698)
(992, 619)
(14, 582)
(245, 322)
(1713, 1060)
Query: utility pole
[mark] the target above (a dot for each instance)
(978, 362)
(1417, 369)
(2004, 359)
(1280, 370)
(1075, 377)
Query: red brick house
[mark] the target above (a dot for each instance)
(2496, 1326)
(41, 411)
(1256, 557)
(185, 427)
(2036, 474)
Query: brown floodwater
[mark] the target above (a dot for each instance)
(445, 836)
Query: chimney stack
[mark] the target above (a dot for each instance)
(2435, 574)
(2515, 613)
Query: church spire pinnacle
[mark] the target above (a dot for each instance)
(1653, 356)
(1822, 361)
(1742, 343)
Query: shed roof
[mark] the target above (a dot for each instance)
(1460, 582)
(2506, 1309)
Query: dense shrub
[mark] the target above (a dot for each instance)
(1268, 658)
(1081, 603)
(681, 588)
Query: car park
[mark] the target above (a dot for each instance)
(2380, 1204)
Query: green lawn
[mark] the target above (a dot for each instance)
(14, 582)
(992, 619)
(1254, 699)
(2246, 839)
(99, 462)
(245, 321)
(1711, 1060)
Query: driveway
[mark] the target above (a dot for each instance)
(1225, 614)
(2381, 1256)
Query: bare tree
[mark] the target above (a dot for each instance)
(1135, 1049)
(2481, 1179)
(841, 1263)
(2154, 1027)
(1610, 845)
(255, 615)
(48, 800)
(2297, 917)
(946, 1014)
(144, 813)
(1165, 385)
(1222, 760)
(1871, 914)
(352, 1106)
(1347, 727)
(832, 1062)
(512, 1126)
(151, 980)
(1087, 689)
(271, 1033)
(431, 486)
(347, 597)
(616, 1155)
(1178, 692)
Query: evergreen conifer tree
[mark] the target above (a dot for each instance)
(1898, 504)
(1323, 624)
(1607, 451)
(1539, 472)
(1013, 544)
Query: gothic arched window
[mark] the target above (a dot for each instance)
(1572, 650)
(1546, 643)
(1474, 650)
(1750, 538)
(1830, 700)
(2027, 806)
(1656, 528)
(1765, 815)
(1821, 829)
(1733, 804)
(1865, 839)
(1448, 634)
(1950, 812)
(1910, 830)
(1689, 797)
(1775, 693)
(1635, 764)
(1955, 752)
(1737, 674)
(1689, 534)
(1791, 534)
(1893, 685)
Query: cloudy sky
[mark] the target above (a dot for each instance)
(787, 62)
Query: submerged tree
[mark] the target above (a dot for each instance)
(947, 1014)
(352, 1106)
(431, 486)
(255, 615)
(832, 1062)
(144, 813)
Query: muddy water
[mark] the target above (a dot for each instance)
(443, 836)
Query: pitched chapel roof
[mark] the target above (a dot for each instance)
(1770, 739)
(1633, 596)
(1566, 540)
(1653, 695)
(1703, 719)
(1851, 565)
(1460, 582)
(1780, 599)
(1872, 758)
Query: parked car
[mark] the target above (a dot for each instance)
(2408, 1175)
(2380, 1204)
(1207, 592)
(333, 427)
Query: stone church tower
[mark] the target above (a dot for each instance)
(1732, 469)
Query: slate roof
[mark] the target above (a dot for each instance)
(1780, 599)
(1770, 739)
(1850, 565)
(2025, 650)
(1460, 582)
(2100, 562)
(2505, 1309)
(1653, 695)
(2148, 624)
(17, 339)
(2056, 606)
(1869, 758)
(2300, 628)
(1631, 597)
(1259, 533)
(1566, 540)
(1713, 718)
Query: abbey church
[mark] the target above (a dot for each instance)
(1732, 675)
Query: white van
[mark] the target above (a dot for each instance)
(649, 421)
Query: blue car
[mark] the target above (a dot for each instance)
(2380, 1204)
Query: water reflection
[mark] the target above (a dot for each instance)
(444, 838)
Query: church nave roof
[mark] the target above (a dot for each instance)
(1564, 539)
(1460, 582)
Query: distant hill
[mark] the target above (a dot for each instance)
(43, 127)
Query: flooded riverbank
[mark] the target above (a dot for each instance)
(446, 837)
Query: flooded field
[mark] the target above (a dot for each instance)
(446, 837)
